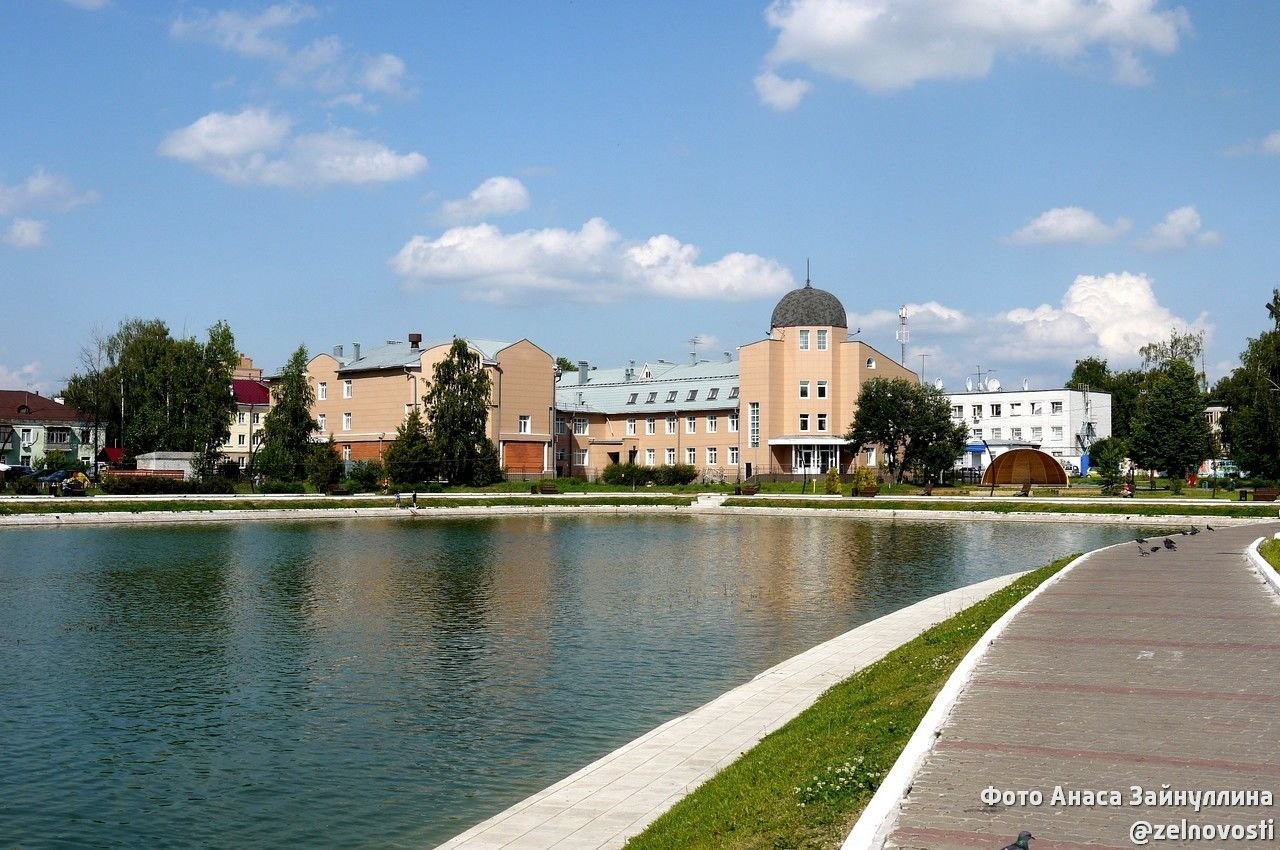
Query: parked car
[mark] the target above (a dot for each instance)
(55, 477)
(1070, 468)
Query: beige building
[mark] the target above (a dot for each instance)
(362, 397)
(800, 386)
(781, 409)
(253, 400)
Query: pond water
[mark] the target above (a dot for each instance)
(388, 684)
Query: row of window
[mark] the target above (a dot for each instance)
(242, 418)
(692, 395)
(581, 426)
(53, 436)
(822, 340)
(1015, 409)
(1037, 433)
(322, 390)
(669, 457)
(323, 421)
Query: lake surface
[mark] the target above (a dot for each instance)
(388, 684)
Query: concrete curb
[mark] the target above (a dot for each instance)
(1264, 569)
(878, 818)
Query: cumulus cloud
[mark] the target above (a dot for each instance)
(254, 146)
(1179, 229)
(384, 73)
(24, 233)
(43, 191)
(247, 35)
(889, 45)
(495, 196)
(930, 316)
(22, 377)
(1068, 224)
(782, 95)
(1112, 315)
(1269, 145)
(589, 264)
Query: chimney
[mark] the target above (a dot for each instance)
(337, 351)
(693, 358)
(415, 341)
(355, 351)
(583, 368)
(728, 357)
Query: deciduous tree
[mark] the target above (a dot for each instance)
(457, 403)
(912, 424)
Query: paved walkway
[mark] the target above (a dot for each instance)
(614, 798)
(1158, 670)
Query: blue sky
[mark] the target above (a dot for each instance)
(1035, 181)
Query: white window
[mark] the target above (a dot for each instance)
(671, 457)
(561, 426)
(346, 453)
(804, 422)
(526, 424)
(560, 455)
(579, 457)
(1037, 433)
(822, 421)
(957, 411)
(822, 389)
(733, 422)
(804, 340)
(1015, 408)
(996, 433)
(733, 455)
(651, 426)
(1015, 433)
(651, 398)
(871, 363)
(631, 426)
(977, 433)
(1055, 407)
(713, 456)
(753, 424)
(977, 412)
(693, 395)
(579, 425)
(804, 389)
(322, 392)
(244, 461)
(671, 424)
(1037, 408)
(257, 418)
(995, 410)
(822, 340)
(671, 396)
(733, 393)
(1056, 430)
(691, 455)
(713, 424)
(691, 425)
(650, 457)
(240, 439)
(712, 393)
(242, 418)
(346, 388)
(346, 422)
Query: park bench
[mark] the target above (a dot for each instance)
(338, 490)
(1265, 494)
(749, 489)
(544, 488)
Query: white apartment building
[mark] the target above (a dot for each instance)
(1063, 423)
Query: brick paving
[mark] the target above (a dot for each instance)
(1131, 670)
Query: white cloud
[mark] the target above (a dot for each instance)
(1268, 145)
(1179, 229)
(782, 95)
(1068, 224)
(929, 316)
(888, 45)
(43, 191)
(590, 264)
(384, 73)
(248, 35)
(21, 378)
(495, 196)
(88, 5)
(242, 148)
(1112, 315)
(24, 233)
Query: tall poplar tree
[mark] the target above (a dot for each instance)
(457, 403)
(1170, 432)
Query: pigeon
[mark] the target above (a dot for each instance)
(1141, 539)
(1022, 841)
(1169, 544)
(1143, 552)
(1208, 528)
(1194, 530)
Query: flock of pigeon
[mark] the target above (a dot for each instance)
(1167, 542)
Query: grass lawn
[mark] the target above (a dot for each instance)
(805, 785)
(1270, 550)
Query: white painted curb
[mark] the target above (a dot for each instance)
(1264, 569)
(881, 813)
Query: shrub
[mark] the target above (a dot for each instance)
(864, 478)
(272, 486)
(151, 485)
(26, 486)
(834, 485)
(628, 474)
(680, 473)
(366, 475)
(230, 470)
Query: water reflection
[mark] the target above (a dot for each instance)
(387, 684)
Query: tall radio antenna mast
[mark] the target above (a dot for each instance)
(903, 334)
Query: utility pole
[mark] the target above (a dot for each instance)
(903, 334)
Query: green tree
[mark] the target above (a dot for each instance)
(1251, 393)
(409, 458)
(457, 403)
(564, 364)
(213, 405)
(323, 465)
(1092, 375)
(1106, 456)
(288, 425)
(912, 423)
(1170, 432)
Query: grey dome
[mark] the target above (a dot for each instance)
(809, 307)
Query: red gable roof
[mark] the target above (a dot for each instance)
(250, 392)
(26, 406)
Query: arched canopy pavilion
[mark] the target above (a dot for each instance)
(1024, 466)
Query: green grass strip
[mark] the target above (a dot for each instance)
(74, 506)
(1139, 509)
(1270, 551)
(805, 785)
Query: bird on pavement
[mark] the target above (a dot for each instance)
(1022, 842)
(1194, 530)
(1169, 544)
(1208, 528)
(1141, 539)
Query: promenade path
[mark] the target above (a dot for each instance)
(1157, 670)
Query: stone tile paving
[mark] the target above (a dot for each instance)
(1160, 671)
(616, 797)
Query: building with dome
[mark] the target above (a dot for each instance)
(780, 409)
